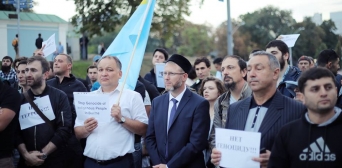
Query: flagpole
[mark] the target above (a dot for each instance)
(135, 47)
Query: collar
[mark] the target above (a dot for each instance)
(117, 89)
(65, 78)
(47, 87)
(179, 97)
(266, 104)
(332, 119)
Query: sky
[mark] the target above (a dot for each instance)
(214, 12)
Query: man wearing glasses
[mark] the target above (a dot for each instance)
(179, 121)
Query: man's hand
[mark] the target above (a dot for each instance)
(33, 158)
(39, 52)
(159, 166)
(215, 157)
(263, 159)
(116, 112)
(90, 124)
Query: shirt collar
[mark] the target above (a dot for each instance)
(179, 97)
(117, 89)
(266, 104)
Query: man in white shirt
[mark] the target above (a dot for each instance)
(112, 144)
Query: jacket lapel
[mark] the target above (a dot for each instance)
(164, 111)
(182, 103)
(273, 113)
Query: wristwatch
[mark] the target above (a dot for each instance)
(122, 120)
(44, 156)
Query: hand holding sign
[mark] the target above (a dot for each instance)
(39, 52)
(90, 124)
(215, 157)
(263, 159)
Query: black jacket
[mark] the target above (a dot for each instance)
(301, 144)
(151, 76)
(150, 88)
(39, 42)
(292, 75)
(68, 86)
(37, 137)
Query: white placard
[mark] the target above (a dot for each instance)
(88, 104)
(289, 39)
(50, 46)
(238, 148)
(159, 75)
(28, 116)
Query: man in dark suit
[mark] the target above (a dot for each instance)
(266, 111)
(179, 121)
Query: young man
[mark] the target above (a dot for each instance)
(7, 72)
(159, 56)
(92, 75)
(22, 76)
(202, 68)
(314, 140)
(43, 144)
(287, 72)
(304, 63)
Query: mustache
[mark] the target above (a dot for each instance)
(227, 77)
(253, 80)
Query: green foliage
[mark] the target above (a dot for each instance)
(79, 68)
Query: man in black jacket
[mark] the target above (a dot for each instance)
(314, 140)
(39, 143)
(39, 41)
(67, 83)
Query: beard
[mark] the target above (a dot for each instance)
(229, 86)
(5, 68)
(282, 63)
(37, 83)
(175, 86)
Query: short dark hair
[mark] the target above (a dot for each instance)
(202, 59)
(22, 62)
(165, 53)
(39, 34)
(219, 84)
(218, 60)
(326, 56)
(91, 67)
(8, 57)
(242, 63)
(313, 74)
(16, 35)
(69, 59)
(51, 65)
(18, 60)
(43, 62)
(280, 45)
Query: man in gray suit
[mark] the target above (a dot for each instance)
(266, 111)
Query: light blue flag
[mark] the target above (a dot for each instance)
(123, 44)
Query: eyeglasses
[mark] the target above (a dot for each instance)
(172, 73)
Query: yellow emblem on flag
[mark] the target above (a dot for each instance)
(143, 2)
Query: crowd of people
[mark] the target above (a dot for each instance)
(295, 108)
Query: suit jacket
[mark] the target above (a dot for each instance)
(187, 135)
(281, 111)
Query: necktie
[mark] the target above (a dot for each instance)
(173, 111)
(172, 114)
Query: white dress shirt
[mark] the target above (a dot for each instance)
(178, 98)
(111, 140)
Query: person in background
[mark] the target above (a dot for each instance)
(191, 77)
(39, 41)
(202, 68)
(304, 63)
(159, 56)
(51, 73)
(22, 76)
(211, 89)
(92, 75)
(312, 62)
(15, 44)
(217, 63)
(7, 72)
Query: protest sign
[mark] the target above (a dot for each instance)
(289, 39)
(50, 46)
(238, 148)
(159, 75)
(89, 105)
(28, 116)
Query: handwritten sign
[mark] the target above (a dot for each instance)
(28, 116)
(50, 46)
(88, 104)
(289, 39)
(238, 148)
(159, 75)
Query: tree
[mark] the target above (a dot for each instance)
(98, 16)
(266, 24)
(192, 40)
(330, 38)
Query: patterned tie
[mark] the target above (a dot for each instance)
(172, 114)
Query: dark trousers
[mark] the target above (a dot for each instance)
(123, 162)
(137, 155)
